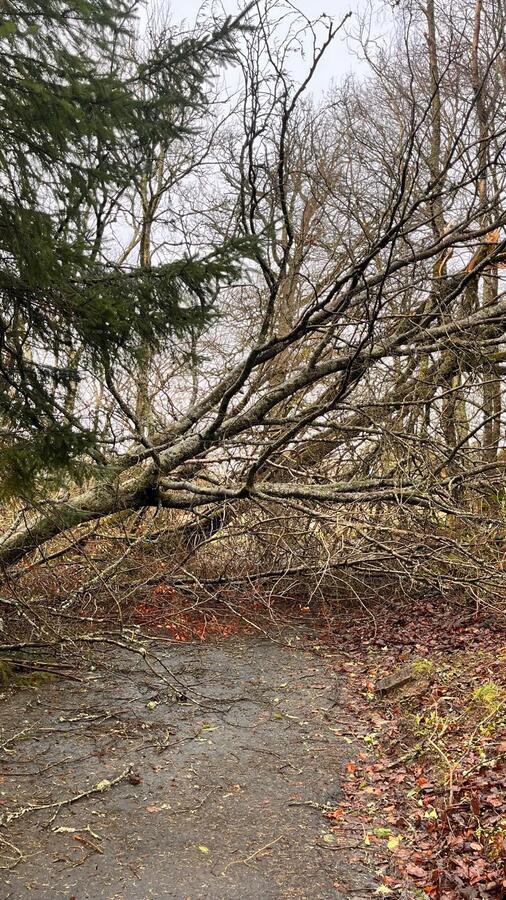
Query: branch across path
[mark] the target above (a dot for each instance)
(225, 787)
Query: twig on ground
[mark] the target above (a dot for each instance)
(98, 788)
(16, 860)
(236, 862)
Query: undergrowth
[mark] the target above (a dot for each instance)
(429, 790)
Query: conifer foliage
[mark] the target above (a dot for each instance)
(79, 115)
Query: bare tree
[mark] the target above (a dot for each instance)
(357, 364)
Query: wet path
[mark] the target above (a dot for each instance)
(226, 784)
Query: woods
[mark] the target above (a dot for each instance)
(252, 331)
(364, 365)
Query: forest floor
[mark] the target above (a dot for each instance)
(254, 767)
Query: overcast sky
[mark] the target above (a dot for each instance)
(338, 61)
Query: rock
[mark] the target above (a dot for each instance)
(394, 681)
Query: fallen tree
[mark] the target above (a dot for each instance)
(357, 362)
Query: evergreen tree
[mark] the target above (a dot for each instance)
(78, 117)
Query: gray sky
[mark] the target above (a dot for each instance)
(338, 61)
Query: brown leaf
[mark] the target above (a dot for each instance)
(475, 804)
(416, 871)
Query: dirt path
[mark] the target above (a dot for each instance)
(227, 784)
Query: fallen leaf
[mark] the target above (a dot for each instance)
(382, 832)
(335, 814)
(103, 785)
(394, 841)
(416, 871)
(430, 814)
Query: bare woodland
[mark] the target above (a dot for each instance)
(252, 450)
(336, 430)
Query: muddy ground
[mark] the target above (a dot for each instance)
(226, 753)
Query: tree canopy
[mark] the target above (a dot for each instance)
(81, 114)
